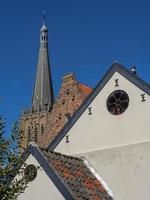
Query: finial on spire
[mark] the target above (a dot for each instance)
(43, 96)
(44, 28)
(44, 17)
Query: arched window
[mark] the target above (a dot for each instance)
(35, 133)
(28, 134)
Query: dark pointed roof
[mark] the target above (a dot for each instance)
(70, 175)
(43, 96)
(116, 67)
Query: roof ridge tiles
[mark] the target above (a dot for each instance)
(60, 154)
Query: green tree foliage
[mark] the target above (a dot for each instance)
(10, 164)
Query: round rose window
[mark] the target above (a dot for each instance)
(117, 102)
(30, 172)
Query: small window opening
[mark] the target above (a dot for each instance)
(68, 115)
(63, 102)
(35, 133)
(42, 129)
(73, 97)
(29, 134)
(67, 91)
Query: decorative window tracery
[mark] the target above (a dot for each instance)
(117, 102)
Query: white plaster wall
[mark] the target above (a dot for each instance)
(126, 170)
(102, 130)
(42, 187)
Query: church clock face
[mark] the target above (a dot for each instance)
(117, 102)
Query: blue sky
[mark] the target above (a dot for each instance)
(85, 36)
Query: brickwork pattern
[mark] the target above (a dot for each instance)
(71, 96)
(77, 177)
(42, 126)
(32, 126)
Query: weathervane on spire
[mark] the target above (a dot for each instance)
(44, 17)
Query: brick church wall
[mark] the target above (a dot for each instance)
(42, 126)
(71, 95)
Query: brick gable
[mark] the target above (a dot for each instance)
(71, 95)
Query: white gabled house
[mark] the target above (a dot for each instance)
(111, 129)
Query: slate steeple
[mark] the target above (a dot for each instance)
(43, 96)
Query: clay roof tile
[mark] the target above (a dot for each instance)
(84, 88)
(77, 177)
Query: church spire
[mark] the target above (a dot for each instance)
(43, 96)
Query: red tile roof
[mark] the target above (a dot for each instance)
(76, 177)
(84, 88)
